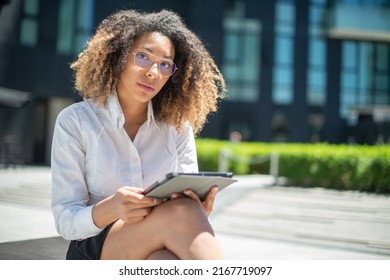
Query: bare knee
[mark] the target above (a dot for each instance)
(182, 209)
(182, 214)
(185, 229)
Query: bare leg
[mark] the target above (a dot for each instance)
(179, 226)
(162, 255)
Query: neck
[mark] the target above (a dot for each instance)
(135, 113)
(133, 110)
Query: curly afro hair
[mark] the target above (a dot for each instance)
(189, 95)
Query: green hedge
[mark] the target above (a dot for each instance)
(344, 167)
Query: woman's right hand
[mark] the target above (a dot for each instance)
(130, 205)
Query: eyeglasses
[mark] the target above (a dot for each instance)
(144, 60)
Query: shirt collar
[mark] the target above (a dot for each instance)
(151, 114)
(117, 116)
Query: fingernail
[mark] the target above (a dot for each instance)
(187, 192)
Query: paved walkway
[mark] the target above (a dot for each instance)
(252, 218)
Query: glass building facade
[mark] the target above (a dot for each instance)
(330, 68)
(296, 70)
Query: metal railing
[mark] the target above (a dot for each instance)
(226, 155)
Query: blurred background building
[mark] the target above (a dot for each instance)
(297, 71)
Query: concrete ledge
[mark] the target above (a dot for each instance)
(53, 248)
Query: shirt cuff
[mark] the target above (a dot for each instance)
(84, 222)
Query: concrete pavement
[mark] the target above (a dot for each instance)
(252, 218)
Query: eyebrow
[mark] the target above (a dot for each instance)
(151, 51)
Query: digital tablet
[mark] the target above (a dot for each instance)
(198, 182)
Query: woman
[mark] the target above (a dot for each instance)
(148, 84)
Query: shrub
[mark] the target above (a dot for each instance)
(343, 167)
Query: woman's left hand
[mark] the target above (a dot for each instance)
(207, 204)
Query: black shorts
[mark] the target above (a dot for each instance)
(89, 248)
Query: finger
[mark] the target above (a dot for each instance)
(133, 189)
(135, 195)
(133, 220)
(191, 194)
(176, 195)
(137, 214)
(209, 201)
(153, 201)
(141, 212)
(147, 202)
(131, 193)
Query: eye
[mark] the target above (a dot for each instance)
(166, 64)
(142, 56)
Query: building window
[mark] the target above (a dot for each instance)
(241, 56)
(382, 77)
(75, 23)
(284, 48)
(316, 70)
(365, 75)
(29, 24)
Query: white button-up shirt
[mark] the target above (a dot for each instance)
(92, 156)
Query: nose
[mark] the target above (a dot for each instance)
(153, 70)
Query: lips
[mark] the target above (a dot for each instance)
(146, 87)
